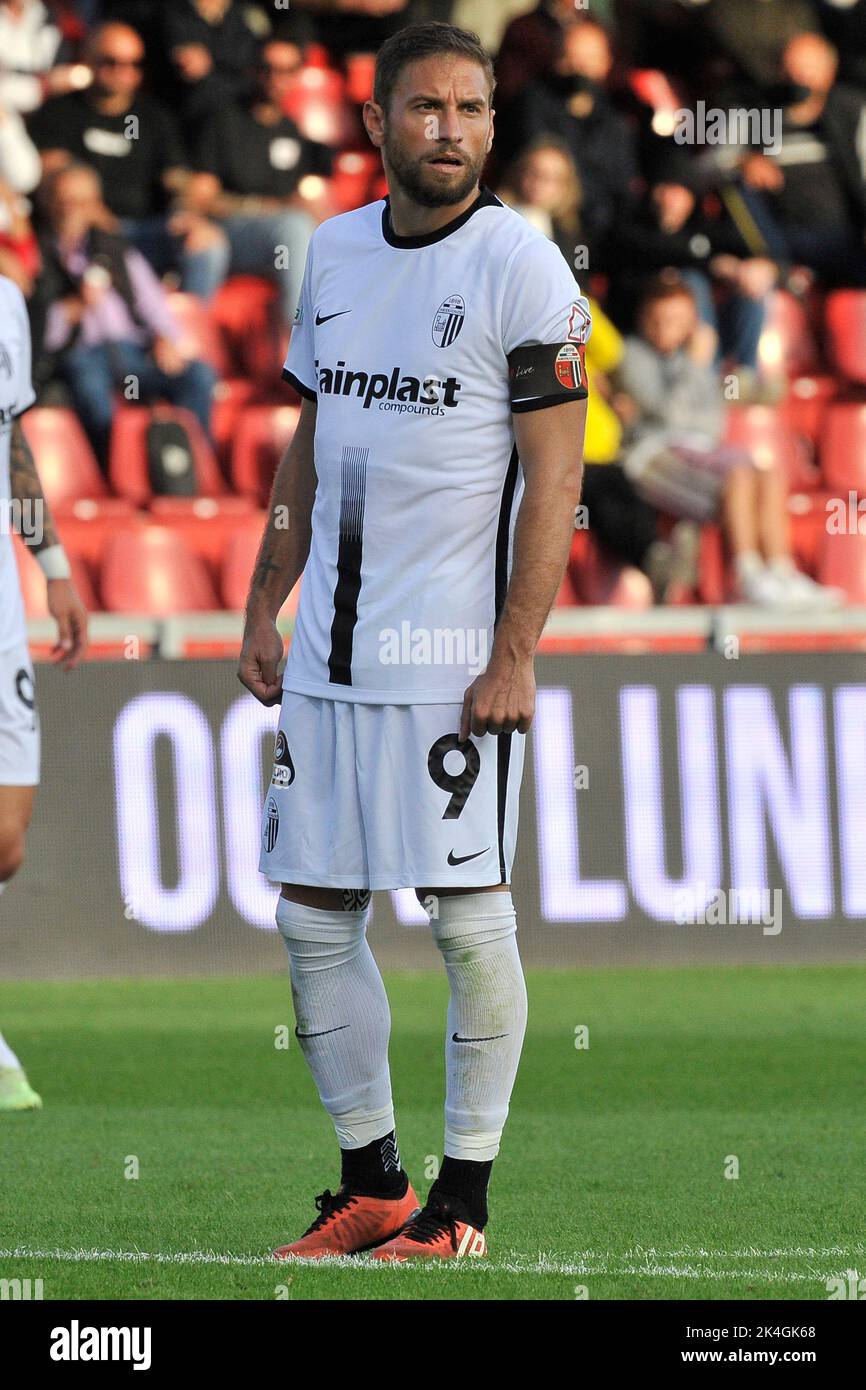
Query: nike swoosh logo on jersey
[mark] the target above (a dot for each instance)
(328, 317)
(323, 1034)
(464, 858)
(492, 1038)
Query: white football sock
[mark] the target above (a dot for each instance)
(343, 1017)
(7, 1056)
(476, 933)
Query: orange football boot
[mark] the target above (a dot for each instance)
(436, 1233)
(349, 1223)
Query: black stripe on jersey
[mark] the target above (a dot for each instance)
(353, 488)
(502, 536)
(299, 385)
(503, 759)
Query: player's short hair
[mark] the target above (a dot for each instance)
(667, 285)
(419, 41)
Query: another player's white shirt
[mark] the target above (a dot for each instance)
(408, 346)
(16, 396)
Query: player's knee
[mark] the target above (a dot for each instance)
(478, 924)
(319, 938)
(12, 853)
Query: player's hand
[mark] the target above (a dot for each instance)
(261, 653)
(69, 613)
(500, 700)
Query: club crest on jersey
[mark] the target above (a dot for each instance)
(271, 826)
(567, 367)
(284, 768)
(449, 320)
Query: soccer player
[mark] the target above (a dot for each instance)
(428, 496)
(23, 505)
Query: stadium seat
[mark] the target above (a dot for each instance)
(240, 559)
(205, 524)
(804, 407)
(771, 443)
(843, 446)
(844, 564)
(787, 344)
(85, 532)
(568, 597)
(230, 398)
(66, 463)
(360, 71)
(602, 579)
(808, 517)
(33, 587)
(262, 435)
(152, 571)
(317, 104)
(242, 311)
(352, 179)
(200, 337)
(845, 318)
(712, 585)
(128, 467)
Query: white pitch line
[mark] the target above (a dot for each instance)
(590, 1263)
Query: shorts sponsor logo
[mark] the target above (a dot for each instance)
(284, 769)
(449, 320)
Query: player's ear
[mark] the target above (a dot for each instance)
(374, 122)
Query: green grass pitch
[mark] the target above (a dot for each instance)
(611, 1182)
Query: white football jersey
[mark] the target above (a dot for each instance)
(417, 350)
(16, 396)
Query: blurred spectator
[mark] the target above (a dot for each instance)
(20, 166)
(572, 101)
(252, 159)
(134, 144)
(489, 19)
(844, 23)
(105, 315)
(212, 51)
(19, 253)
(531, 45)
(543, 185)
(355, 26)
(752, 34)
(669, 228)
(670, 401)
(810, 199)
(29, 46)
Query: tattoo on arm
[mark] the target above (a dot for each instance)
(27, 490)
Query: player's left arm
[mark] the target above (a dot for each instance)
(550, 446)
(64, 605)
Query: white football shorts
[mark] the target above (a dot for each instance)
(385, 796)
(19, 719)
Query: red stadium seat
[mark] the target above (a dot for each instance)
(602, 579)
(242, 310)
(845, 317)
(771, 443)
(712, 577)
(360, 71)
(205, 524)
(843, 447)
(240, 559)
(85, 532)
(568, 597)
(352, 179)
(152, 571)
(805, 405)
(200, 337)
(262, 436)
(65, 461)
(788, 342)
(33, 588)
(844, 564)
(128, 468)
(230, 398)
(317, 104)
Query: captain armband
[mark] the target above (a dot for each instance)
(546, 374)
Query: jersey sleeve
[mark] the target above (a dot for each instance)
(546, 323)
(26, 396)
(300, 366)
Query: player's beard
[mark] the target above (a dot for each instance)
(421, 184)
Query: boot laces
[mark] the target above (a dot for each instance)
(329, 1204)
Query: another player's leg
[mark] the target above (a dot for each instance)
(16, 806)
(476, 934)
(343, 1027)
